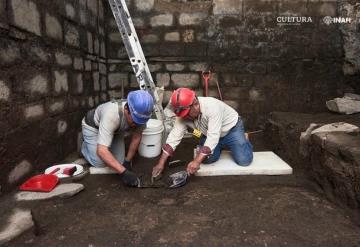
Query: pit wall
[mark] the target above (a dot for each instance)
(261, 65)
(52, 68)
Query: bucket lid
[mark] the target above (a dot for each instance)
(153, 125)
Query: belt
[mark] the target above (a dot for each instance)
(89, 119)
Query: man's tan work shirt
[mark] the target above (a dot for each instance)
(215, 120)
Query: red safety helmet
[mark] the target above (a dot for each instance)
(181, 101)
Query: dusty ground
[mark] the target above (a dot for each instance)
(208, 211)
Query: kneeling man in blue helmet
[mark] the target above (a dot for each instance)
(104, 129)
(219, 124)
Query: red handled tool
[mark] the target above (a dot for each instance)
(42, 183)
(206, 76)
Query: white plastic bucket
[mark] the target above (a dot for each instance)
(150, 145)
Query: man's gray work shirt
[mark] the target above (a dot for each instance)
(111, 120)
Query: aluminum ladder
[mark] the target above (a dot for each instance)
(135, 53)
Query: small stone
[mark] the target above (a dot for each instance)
(57, 106)
(172, 36)
(20, 170)
(60, 191)
(150, 38)
(72, 35)
(144, 5)
(53, 27)
(70, 11)
(19, 222)
(78, 63)
(337, 127)
(26, 15)
(34, 111)
(61, 126)
(186, 19)
(343, 105)
(175, 67)
(63, 59)
(61, 81)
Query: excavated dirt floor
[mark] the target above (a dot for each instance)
(208, 211)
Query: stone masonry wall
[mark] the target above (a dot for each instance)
(52, 68)
(261, 65)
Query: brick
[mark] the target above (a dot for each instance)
(115, 79)
(101, 10)
(91, 102)
(53, 27)
(83, 13)
(144, 5)
(185, 80)
(20, 171)
(79, 83)
(172, 36)
(162, 20)
(150, 38)
(162, 79)
(70, 11)
(61, 82)
(187, 19)
(198, 66)
(62, 126)
(138, 22)
(63, 59)
(26, 15)
(78, 63)
(227, 7)
(34, 112)
(9, 53)
(175, 67)
(72, 37)
(38, 85)
(4, 91)
(56, 106)
(96, 79)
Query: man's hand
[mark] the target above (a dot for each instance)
(127, 164)
(193, 167)
(129, 178)
(157, 170)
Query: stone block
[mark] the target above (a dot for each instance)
(149, 38)
(20, 170)
(78, 63)
(133, 81)
(172, 36)
(61, 127)
(9, 52)
(187, 19)
(38, 85)
(34, 111)
(39, 53)
(256, 95)
(63, 59)
(72, 37)
(56, 106)
(101, 11)
(190, 80)
(116, 79)
(163, 79)
(102, 49)
(93, 6)
(26, 15)
(343, 105)
(144, 5)
(162, 20)
(115, 37)
(70, 11)
(91, 102)
(154, 67)
(83, 12)
(61, 82)
(96, 46)
(102, 68)
(103, 83)
(175, 67)
(4, 91)
(79, 84)
(90, 42)
(227, 7)
(87, 65)
(53, 27)
(188, 36)
(198, 66)
(60, 191)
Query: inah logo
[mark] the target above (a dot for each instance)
(328, 20)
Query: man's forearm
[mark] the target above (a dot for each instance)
(134, 145)
(104, 153)
(200, 158)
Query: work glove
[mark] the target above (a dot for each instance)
(129, 178)
(127, 164)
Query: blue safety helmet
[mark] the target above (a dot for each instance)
(141, 105)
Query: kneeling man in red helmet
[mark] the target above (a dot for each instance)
(219, 124)
(104, 128)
